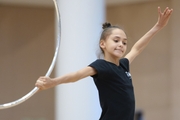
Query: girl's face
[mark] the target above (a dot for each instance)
(115, 44)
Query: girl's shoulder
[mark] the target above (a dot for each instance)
(98, 62)
(124, 62)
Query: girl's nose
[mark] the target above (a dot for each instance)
(120, 44)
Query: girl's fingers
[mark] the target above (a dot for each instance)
(40, 81)
(171, 11)
(168, 13)
(166, 10)
(159, 10)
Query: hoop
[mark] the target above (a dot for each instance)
(32, 92)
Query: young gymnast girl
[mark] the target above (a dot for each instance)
(111, 74)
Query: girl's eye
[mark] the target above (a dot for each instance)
(116, 41)
(124, 43)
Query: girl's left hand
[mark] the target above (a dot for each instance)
(163, 17)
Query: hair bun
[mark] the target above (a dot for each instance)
(106, 25)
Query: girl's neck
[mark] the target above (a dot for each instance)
(112, 60)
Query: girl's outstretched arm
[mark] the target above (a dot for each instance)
(139, 46)
(47, 82)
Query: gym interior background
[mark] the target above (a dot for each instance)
(27, 42)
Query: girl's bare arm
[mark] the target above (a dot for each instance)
(143, 41)
(47, 82)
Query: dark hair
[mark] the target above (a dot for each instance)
(107, 30)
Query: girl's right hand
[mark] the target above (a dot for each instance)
(44, 83)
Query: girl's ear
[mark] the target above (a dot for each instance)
(102, 44)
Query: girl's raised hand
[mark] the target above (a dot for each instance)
(163, 17)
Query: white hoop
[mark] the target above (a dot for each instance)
(32, 92)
